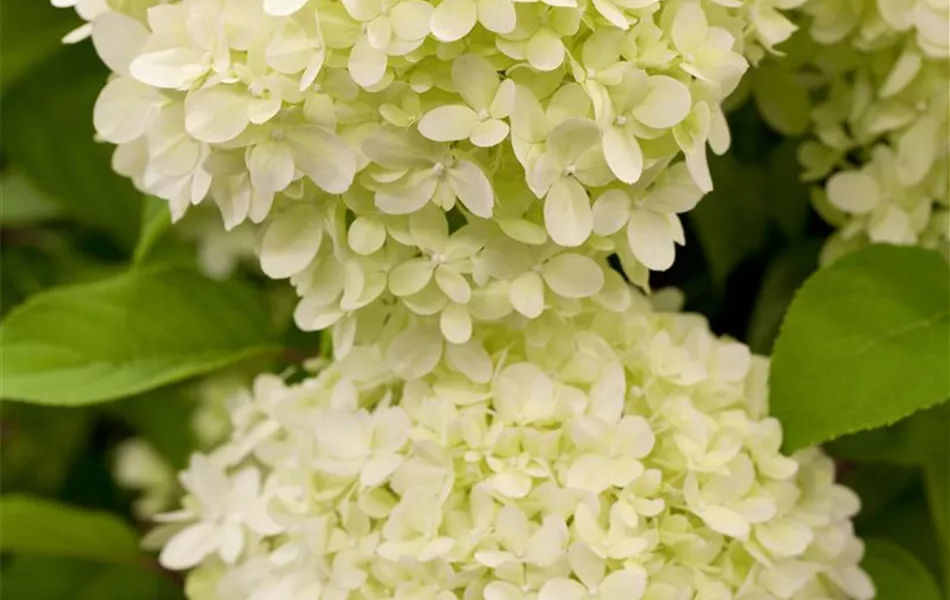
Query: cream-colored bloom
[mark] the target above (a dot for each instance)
(616, 456)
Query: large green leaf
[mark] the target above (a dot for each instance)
(784, 275)
(910, 442)
(39, 445)
(897, 574)
(45, 527)
(126, 335)
(865, 343)
(23, 203)
(28, 577)
(732, 221)
(31, 33)
(58, 152)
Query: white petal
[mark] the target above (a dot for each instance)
(563, 589)
(190, 546)
(216, 114)
(283, 8)
(175, 68)
(291, 241)
(122, 109)
(118, 39)
(271, 166)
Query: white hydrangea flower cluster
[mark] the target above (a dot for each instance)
(610, 455)
(882, 131)
(464, 159)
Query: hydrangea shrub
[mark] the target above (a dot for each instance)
(467, 200)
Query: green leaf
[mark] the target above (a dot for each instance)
(58, 153)
(32, 32)
(156, 221)
(865, 343)
(163, 417)
(781, 99)
(45, 527)
(39, 445)
(909, 442)
(128, 334)
(22, 203)
(937, 487)
(897, 574)
(783, 277)
(731, 222)
(27, 577)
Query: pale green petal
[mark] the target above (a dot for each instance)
(527, 294)
(545, 51)
(410, 20)
(366, 235)
(217, 114)
(623, 154)
(323, 156)
(449, 123)
(280, 8)
(690, 27)
(651, 240)
(410, 276)
(379, 33)
(573, 275)
(666, 104)
(853, 191)
(571, 138)
(453, 19)
(498, 16)
(415, 352)
(471, 360)
(610, 212)
(271, 166)
(489, 133)
(471, 186)
(475, 79)
(567, 213)
(366, 64)
(623, 585)
(563, 589)
(453, 285)
(456, 324)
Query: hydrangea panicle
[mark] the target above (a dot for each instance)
(628, 456)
